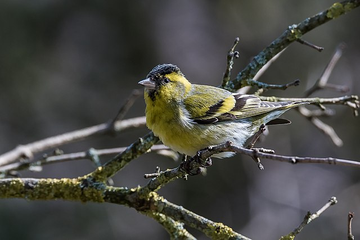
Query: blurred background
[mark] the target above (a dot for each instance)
(66, 65)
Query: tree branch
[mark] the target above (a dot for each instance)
(350, 218)
(265, 86)
(175, 229)
(57, 158)
(351, 101)
(290, 35)
(85, 189)
(136, 149)
(28, 150)
(126, 106)
(306, 43)
(228, 147)
(230, 61)
(151, 203)
(212, 229)
(322, 82)
(309, 218)
(92, 187)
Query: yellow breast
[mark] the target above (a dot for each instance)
(171, 125)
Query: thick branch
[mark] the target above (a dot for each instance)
(211, 229)
(152, 203)
(77, 189)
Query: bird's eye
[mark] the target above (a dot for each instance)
(166, 80)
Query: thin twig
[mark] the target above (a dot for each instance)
(322, 82)
(229, 147)
(309, 218)
(351, 101)
(252, 144)
(127, 105)
(350, 219)
(290, 35)
(192, 166)
(28, 150)
(230, 61)
(266, 86)
(309, 44)
(316, 112)
(116, 125)
(22, 165)
(313, 117)
(256, 137)
(327, 130)
(161, 178)
(246, 89)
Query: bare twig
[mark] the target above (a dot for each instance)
(327, 130)
(306, 43)
(127, 105)
(350, 218)
(351, 101)
(252, 144)
(246, 89)
(161, 178)
(22, 165)
(229, 147)
(256, 136)
(136, 149)
(312, 116)
(322, 82)
(152, 175)
(327, 112)
(116, 125)
(28, 150)
(266, 86)
(309, 218)
(193, 165)
(230, 61)
(293, 33)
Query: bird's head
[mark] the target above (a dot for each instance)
(167, 82)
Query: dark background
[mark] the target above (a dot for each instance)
(66, 65)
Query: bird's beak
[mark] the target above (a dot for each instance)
(147, 83)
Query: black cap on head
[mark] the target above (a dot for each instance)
(163, 69)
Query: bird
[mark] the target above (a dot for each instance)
(190, 117)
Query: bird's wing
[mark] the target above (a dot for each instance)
(210, 104)
(206, 103)
(251, 106)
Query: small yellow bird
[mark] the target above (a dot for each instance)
(190, 117)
